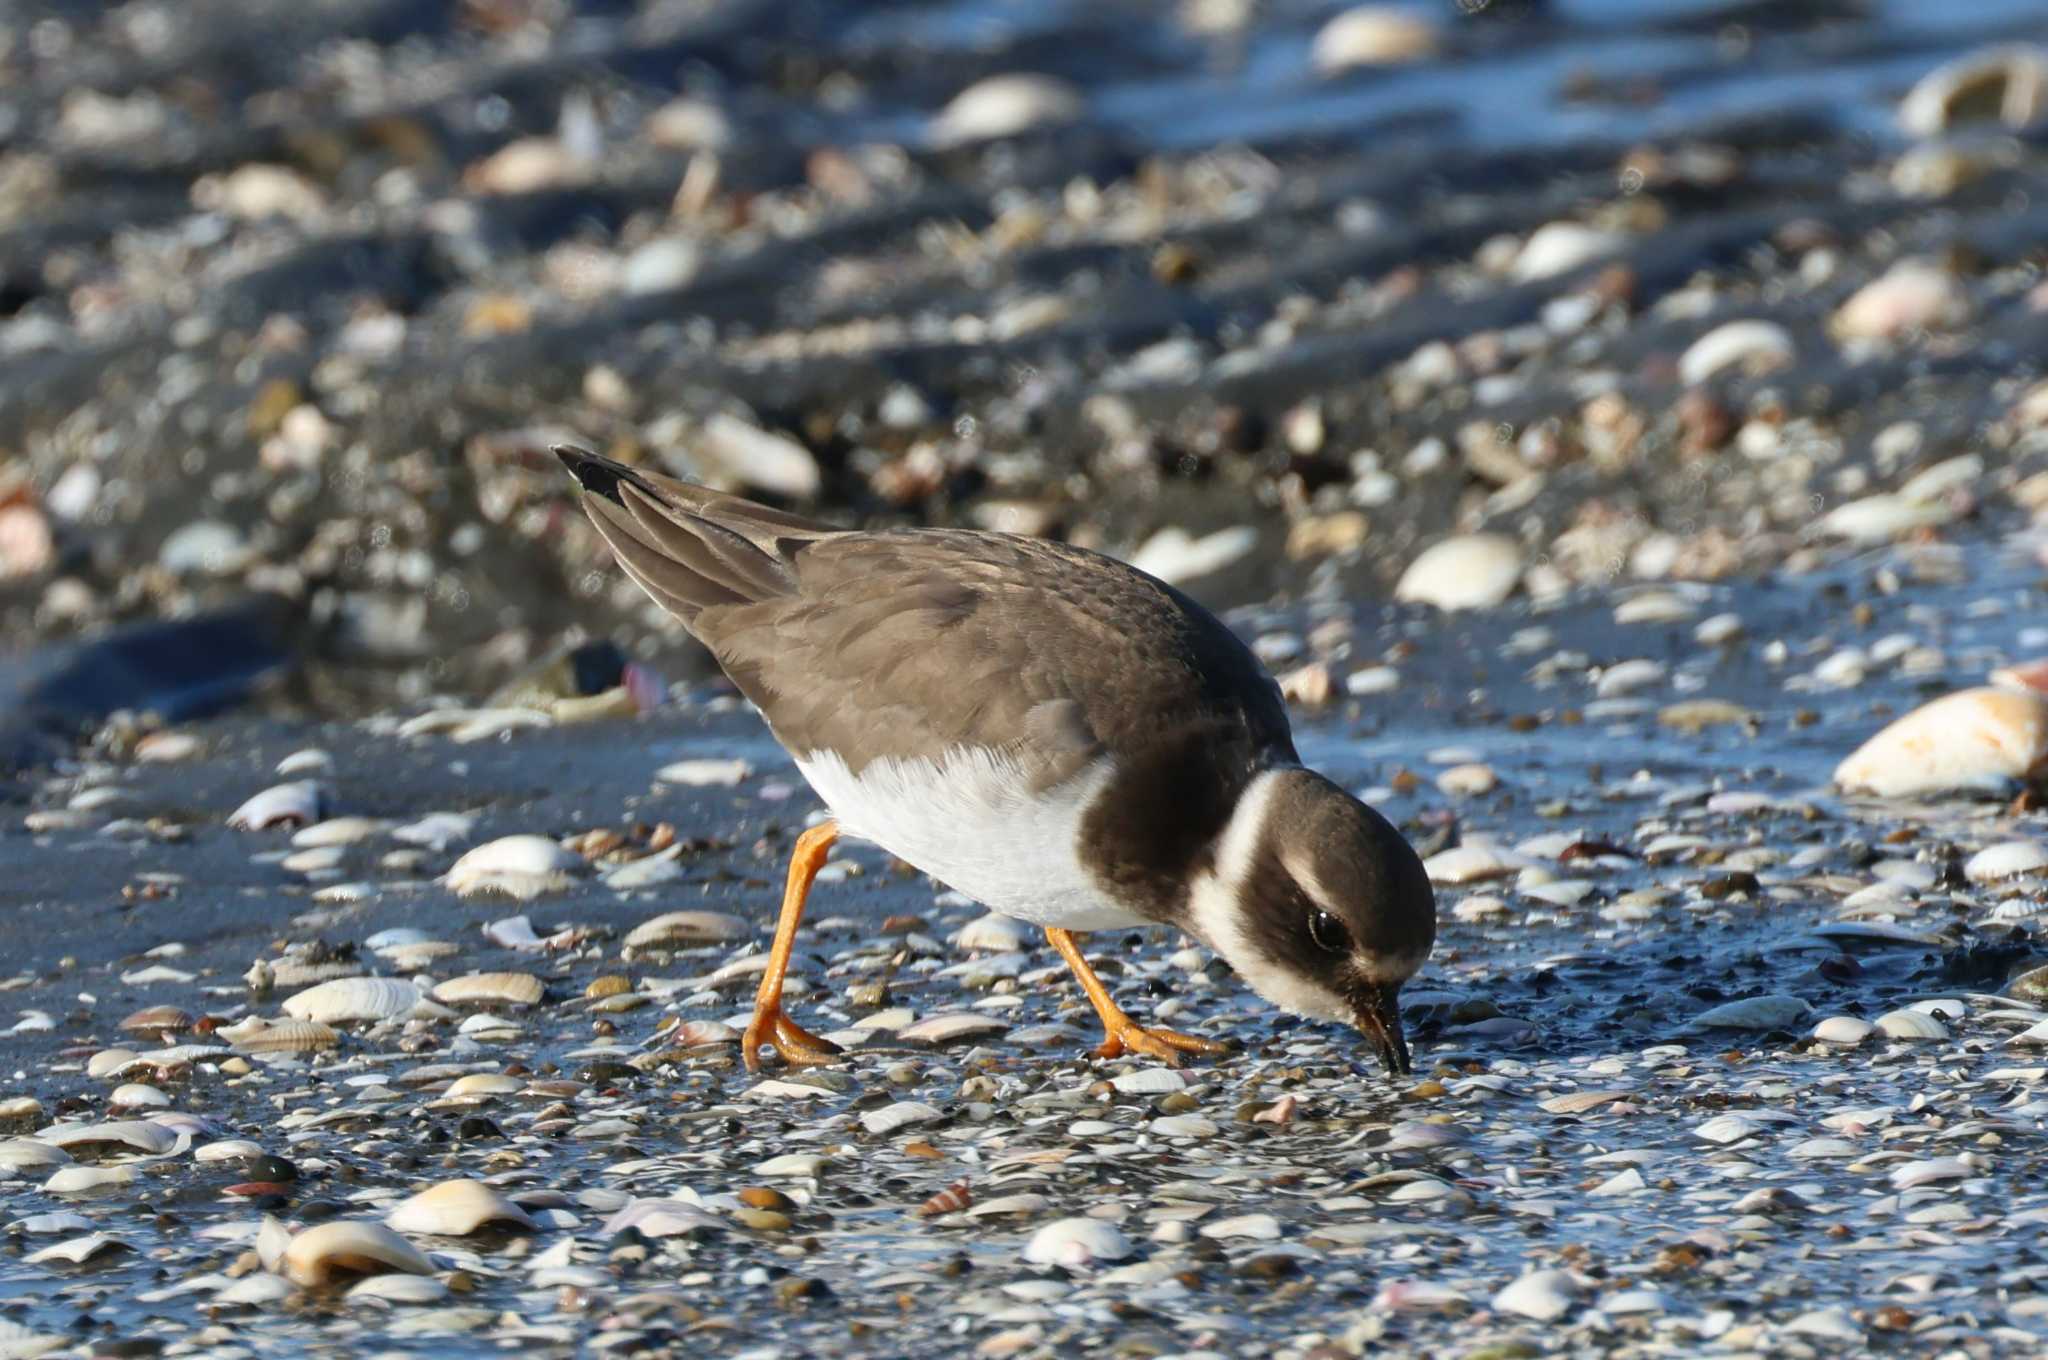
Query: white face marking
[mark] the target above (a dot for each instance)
(1216, 919)
(971, 820)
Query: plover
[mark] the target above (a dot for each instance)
(1047, 730)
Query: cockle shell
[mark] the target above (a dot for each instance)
(282, 1036)
(687, 928)
(299, 803)
(517, 866)
(456, 1209)
(349, 1000)
(1076, 1242)
(322, 1254)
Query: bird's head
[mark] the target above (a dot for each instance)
(1319, 905)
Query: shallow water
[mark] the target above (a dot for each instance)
(1588, 996)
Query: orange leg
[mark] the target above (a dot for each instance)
(1120, 1031)
(797, 1045)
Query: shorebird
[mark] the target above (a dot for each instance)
(1049, 731)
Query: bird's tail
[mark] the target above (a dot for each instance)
(689, 547)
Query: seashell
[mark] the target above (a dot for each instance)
(115, 1135)
(349, 1000)
(1911, 1025)
(1913, 295)
(659, 1218)
(1184, 1126)
(319, 860)
(1545, 1295)
(436, 830)
(311, 760)
(1846, 1030)
(702, 1034)
(1002, 106)
(756, 457)
(687, 928)
(1560, 247)
(1727, 1128)
(273, 1239)
(648, 871)
(134, 1096)
(299, 803)
(254, 1291)
(1372, 35)
(160, 748)
(517, 866)
(1580, 1102)
(227, 1150)
(322, 1254)
(1753, 346)
(993, 934)
(1473, 862)
(1252, 1227)
(1931, 1171)
(939, 1030)
(1881, 518)
(14, 1108)
(519, 990)
(1775, 1011)
(290, 972)
(1469, 780)
(29, 1154)
(2008, 83)
(282, 1036)
(951, 1200)
(1280, 1112)
(900, 1115)
(456, 1209)
(1010, 1206)
(2007, 859)
(398, 1289)
(704, 774)
(1174, 555)
(1150, 1081)
(155, 1021)
(610, 985)
(1469, 571)
(46, 1225)
(515, 932)
(86, 1180)
(1076, 1243)
(1977, 739)
(1419, 1296)
(77, 1250)
(336, 831)
(478, 1085)
(689, 124)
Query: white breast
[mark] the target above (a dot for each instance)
(971, 820)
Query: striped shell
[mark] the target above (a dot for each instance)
(518, 990)
(347, 1000)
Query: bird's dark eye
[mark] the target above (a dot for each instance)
(1328, 932)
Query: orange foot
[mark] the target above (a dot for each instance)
(1163, 1044)
(797, 1045)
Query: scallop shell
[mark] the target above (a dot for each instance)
(299, 803)
(1978, 739)
(518, 990)
(320, 1255)
(349, 1000)
(1075, 1242)
(282, 1036)
(2007, 859)
(687, 928)
(456, 1209)
(517, 866)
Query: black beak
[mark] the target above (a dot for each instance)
(1379, 1020)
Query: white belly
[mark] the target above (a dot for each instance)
(970, 820)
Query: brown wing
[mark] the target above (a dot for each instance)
(905, 642)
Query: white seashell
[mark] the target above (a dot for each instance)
(1560, 247)
(336, 831)
(515, 932)
(1004, 106)
(1843, 1029)
(272, 1240)
(659, 1218)
(1913, 295)
(1474, 862)
(86, 1180)
(756, 457)
(687, 928)
(1175, 556)
(29, 1154)
(311, 760)
(256, 1035)
(2008, 859)
(1419, 1296)
(299, 803)
(1727, 1128)
(900, 1115)
(1930, 1171)
(139, 1134)
(993, 934)
(253, 1291)
(1372, 35)
(1470, 571)
(952, 1027)
(1626, 677)
(2008, 81)
(456, 1209)
(133, 1096)
(1077, 1242)
(1581, 1102)
(399, 1289)
(1250, 1227)
(1978, 739)
(495, 1028)
(1545, 1295)
(1910, 1024)
(227, 1150)
(704, 774)
(701, 1033)
(109, 1062)
(78, 1250)
(1184, 1126)
(1753, 346)
(1467, 781)
(517, 866)
(1150, 1081)
(491, 989)
(793, 1164)
(481, 1084)
(437, 830)
(649, 871)
(1833, 1323)
(350, 1000)
(319, 860)
(166, 747)
(355, 1246)
(46, 1225)
(1775, 1011)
